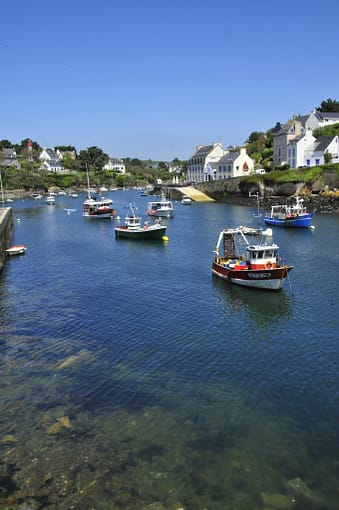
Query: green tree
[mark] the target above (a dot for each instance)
(327, 157)
(5, 144)
(93, 157)
(330, 105)
(162, 165)
(66, 148)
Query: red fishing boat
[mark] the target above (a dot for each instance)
(250, 265)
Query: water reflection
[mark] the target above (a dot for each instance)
(262, 307)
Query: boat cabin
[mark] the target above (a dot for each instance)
(133, 222)
(238, 254)
(160, 208)
(262, 256)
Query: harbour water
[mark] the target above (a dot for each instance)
(131, 378)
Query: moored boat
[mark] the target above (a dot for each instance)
(289, 215)
(186, 200)
(50, 199)
(17, 249)
(238, 261)
(97, 207)
(161, 209)
(133, 228)
(101, 207)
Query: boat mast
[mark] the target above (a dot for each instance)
(88, 188)
(2, 192)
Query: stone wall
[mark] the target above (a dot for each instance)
(6, 232)
(324, 199)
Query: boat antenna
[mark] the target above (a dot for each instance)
(2, 191)
(88, 187)
(256, 195)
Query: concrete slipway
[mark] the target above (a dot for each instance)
(195, 194)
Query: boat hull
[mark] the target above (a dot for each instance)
(16, 250)
(140, 233)
(161, 214)
(268, 279)
(301, 221)
(99, 214)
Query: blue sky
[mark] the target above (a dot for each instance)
(153, 79)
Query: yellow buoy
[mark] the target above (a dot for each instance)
(165, 238)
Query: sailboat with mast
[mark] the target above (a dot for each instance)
(97, 206)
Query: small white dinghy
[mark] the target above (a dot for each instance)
(17, 249)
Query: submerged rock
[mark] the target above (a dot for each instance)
(278, 501)
(73, 359)
(9, 438)
(63, 422)
(303, 493)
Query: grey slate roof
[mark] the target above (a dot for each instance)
(322, 142)
(204, 149)
(327, 115)
(230, 157)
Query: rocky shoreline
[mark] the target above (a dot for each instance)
(238, 192)
(319, 199)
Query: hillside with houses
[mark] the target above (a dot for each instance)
(302, 142)
(294, 146)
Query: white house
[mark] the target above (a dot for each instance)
(234, 164)
(50, 161)
(116, 165)
(296, 149)
(202, 164)
(314, 154)
(292, 138)
(283, 134)
(318, 119)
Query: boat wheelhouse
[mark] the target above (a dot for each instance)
(251, 265)
(162, 208)
(133, 228)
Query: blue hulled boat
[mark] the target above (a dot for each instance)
(289, 215)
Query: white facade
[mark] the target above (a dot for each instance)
(318, 119)
(296, 150)
(202, 165)
(116, 165)
(50, 161)
(296, 136)
(315, 154)
(291, 130)
(234, 164)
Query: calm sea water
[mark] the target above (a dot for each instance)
(131, 378)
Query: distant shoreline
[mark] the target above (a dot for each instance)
(320, 203)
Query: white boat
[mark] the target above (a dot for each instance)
(186, 200)
(69, 211)
(37, 196)
(50, 199)
(250, 265)
(17, 249)
(252, 231)
(161, 209)
(96, 206)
